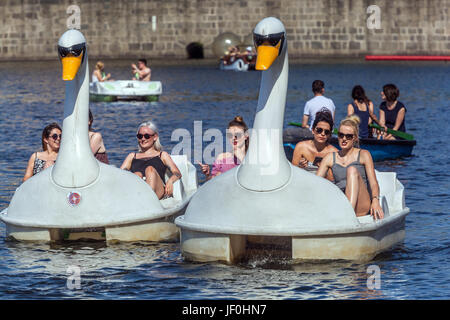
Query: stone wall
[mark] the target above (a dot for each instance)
(29, 29)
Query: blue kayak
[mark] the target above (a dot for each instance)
(379, 149)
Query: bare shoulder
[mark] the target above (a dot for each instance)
(302, 145)
(365, 156)
(224, 156)
(331, 148)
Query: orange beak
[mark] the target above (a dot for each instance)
(71, 65)
(266, 56)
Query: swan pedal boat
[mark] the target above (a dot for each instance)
(379, 149)
(81, 198)
(237, 65)
(267, 205)
(109, 91)
(85, 222)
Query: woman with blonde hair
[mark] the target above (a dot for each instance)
(99, 74)
(353, 170)
(151, 163)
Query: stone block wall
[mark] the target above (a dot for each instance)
(29, 29)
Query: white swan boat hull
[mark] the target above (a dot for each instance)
(69, 222)
(125, 90)
(237, 65)
(239, 238)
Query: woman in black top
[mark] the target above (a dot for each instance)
(151, 163)
(392, 111)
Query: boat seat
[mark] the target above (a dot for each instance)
(188, 179)
(391, 189)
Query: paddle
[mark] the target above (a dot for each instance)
(396, 133)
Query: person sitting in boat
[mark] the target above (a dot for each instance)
(96, 142)
(363, 108)
(231, 55)
(237, 134)
(353, 170)
(51, 140)
(249, 56)
(392, 111)
(316, 104)
(141, 72)
(151, 163)
(99, 74)
(309, 153)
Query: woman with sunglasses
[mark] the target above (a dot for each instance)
(308, 154)
(96, 142)
(51, 139)
(151, 163)
(353, 171)
(237, 134)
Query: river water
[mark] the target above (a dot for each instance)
(32, 95)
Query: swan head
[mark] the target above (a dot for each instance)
(72, 52)
(269, 36)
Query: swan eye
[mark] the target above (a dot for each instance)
(273, 39)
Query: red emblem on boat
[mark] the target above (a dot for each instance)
(74, 198)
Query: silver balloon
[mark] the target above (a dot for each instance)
(223, 42)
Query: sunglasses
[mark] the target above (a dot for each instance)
(348, 136)
(273, 38)
(236, 135)
(75, 50)
(325, 131)
(146, 136)
(55, 136)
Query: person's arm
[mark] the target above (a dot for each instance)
(305, 121)
(325, 164)
(29, 169)
(376, 211)
(350, 110)
(126, 165)
(176, 174)
(399, 119)
(96, 142)
(298, 159)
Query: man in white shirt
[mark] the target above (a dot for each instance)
(316, 104)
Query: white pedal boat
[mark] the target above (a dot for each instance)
(268, 204)
(237, 65)
(108, 91)
(82, 198)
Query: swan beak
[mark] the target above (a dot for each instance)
(71, 65)
(266, 55)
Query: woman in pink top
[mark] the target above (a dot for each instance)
(237, 134)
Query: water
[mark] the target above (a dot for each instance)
(32, 95)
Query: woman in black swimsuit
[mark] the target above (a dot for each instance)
(51, 139)
(151, 163)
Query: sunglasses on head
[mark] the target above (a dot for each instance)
(146, 136)
(55, 136)
(325, 131)
(75, 50)
(237, 135)
(273, 38)
(348, 136)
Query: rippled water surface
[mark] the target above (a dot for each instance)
(32, 95)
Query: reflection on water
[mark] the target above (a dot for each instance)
(32, 95)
